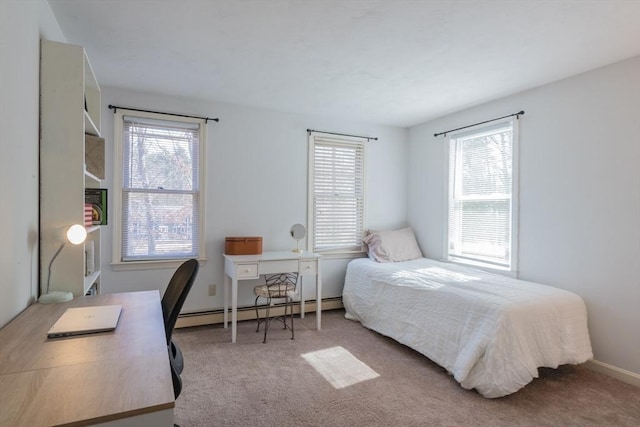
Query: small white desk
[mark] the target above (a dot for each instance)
(245, 267)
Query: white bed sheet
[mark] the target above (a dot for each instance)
(491, 332)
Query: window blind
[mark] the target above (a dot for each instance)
(480, 196)
(160, 190)
(338, 195)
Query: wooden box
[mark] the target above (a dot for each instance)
(243, 245)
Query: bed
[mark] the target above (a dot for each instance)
(489, 331)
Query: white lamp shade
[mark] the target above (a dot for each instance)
(76, 234)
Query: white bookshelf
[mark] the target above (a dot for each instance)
(69, 109)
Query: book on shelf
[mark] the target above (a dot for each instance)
(90, 263)
(97, 198)
(88, 214)
(93, 290)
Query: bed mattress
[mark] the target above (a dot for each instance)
(491, 332)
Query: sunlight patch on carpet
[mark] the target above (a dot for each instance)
(339, 367)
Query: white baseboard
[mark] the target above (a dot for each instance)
(249, 313)
(615, 372)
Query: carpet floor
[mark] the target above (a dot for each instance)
(347, 375)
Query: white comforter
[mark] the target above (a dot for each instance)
(490, 331)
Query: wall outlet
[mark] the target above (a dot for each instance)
(212, 290)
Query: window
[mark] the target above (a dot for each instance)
(482, 209)
(336, 193)
(158, 187)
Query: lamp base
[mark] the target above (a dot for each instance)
(55, 297)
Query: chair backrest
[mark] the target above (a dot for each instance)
(176, 293)
(281, 285)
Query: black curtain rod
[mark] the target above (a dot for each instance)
(206, 119)
(518, 114)
(343, 134)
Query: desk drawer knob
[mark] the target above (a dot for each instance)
(308, 267)
(246, 270)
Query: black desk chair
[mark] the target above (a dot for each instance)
(172, 302)
(175, 376)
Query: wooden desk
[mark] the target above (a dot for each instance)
(245, 267)
(117, 378)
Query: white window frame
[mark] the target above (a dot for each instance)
(320, 138)
(512, 269)
(116, 215)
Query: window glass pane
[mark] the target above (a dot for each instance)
(484, 230)
(160, 158)
(486, 163)
(159, 225)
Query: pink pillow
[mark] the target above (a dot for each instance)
(393, 245)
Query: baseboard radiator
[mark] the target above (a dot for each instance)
(211, 317)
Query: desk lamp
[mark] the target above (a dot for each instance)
(76, 235)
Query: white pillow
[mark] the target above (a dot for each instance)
(393, 245)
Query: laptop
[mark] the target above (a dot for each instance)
(86, 320)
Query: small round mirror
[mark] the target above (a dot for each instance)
(298, 232)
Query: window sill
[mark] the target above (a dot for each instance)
(342, 255)
(485, 267)
(151, 265)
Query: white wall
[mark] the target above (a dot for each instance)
(579, 195)
(257, 185)
(21, 25)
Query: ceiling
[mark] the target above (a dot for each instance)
(387, 62)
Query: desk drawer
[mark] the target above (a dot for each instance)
(308, 267)
(245, 271)
(272, 267)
